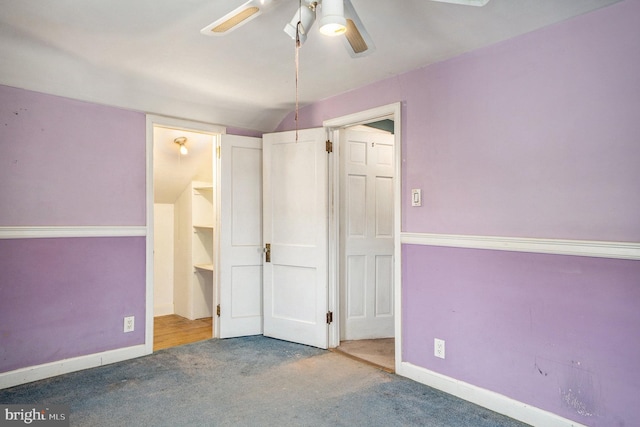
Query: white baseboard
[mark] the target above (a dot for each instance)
(47, 370)
(488, 399)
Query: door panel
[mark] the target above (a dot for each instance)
(290, 291)
(384, 286)
(240, 236)
(246, 280)
(366, 234)
(357, 202)
(356, 290)
(384, 206)
(294, 174)
(295, 225)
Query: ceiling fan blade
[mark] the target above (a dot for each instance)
(236, 18)
(465, 2)
(356, 40)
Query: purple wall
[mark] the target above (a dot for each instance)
(533, 137)
(557, 332)
(66, 162)
(244, 132)
(71, 163)
(67, 297)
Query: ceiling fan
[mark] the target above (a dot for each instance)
(337, 17)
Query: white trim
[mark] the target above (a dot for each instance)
(149, 314)
(217, 212)
(44, 232)
(599, 249)
(188, 125)
(332, 126)
(333, 269)
(397, 230)
(47, 370)
(488, 399)
(366, 116)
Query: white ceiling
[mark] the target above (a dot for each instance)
(149, 55)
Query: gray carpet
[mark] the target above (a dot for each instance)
(251, 381)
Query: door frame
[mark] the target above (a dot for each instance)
(173, 123)
(332, 127)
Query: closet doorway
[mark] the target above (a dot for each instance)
(183, 217)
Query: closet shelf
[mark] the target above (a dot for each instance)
(208, 267)
(209, 227)
(207, 187)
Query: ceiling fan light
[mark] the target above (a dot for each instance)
(333, 22)
(306, 17)
(333, 28)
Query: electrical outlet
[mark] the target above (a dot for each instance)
(438, 348)
(129, 323)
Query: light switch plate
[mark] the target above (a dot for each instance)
(416, 197)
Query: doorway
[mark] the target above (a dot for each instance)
(365, 228)
(181, 207)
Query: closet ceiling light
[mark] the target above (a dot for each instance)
(181, 140)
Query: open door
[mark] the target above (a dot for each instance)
(367, 169)
(240, 236)
(295, 219)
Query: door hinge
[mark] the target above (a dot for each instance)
(218, 310)
(329, 146)
(218, 151)
(329, 317)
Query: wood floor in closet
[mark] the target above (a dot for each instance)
(173, 330)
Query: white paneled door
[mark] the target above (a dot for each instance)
(295, 218)
(366, 234)
(240, 236)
